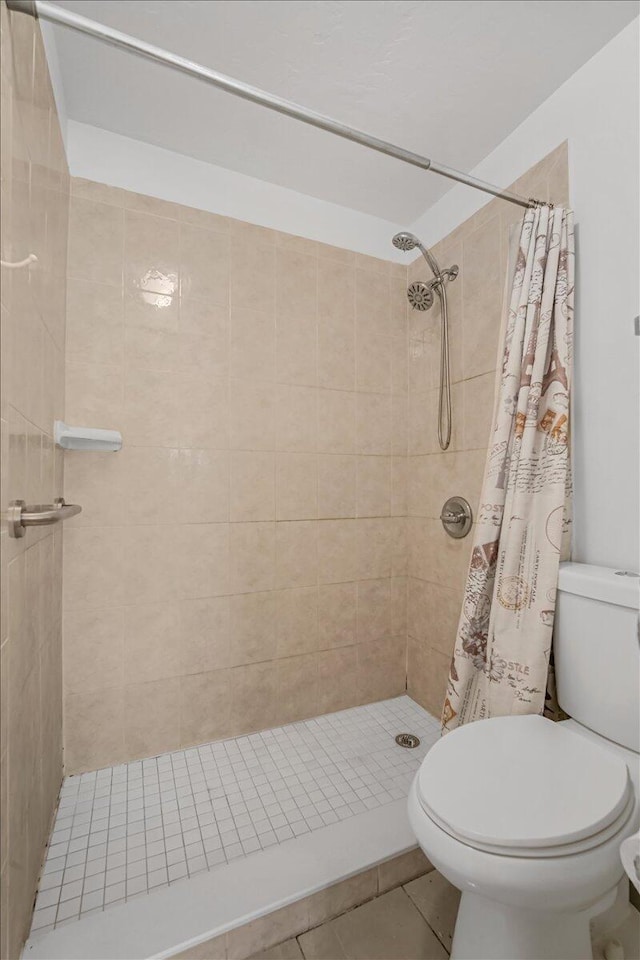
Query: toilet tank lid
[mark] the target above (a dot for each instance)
(607, 584)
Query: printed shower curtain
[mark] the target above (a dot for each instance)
(500, 663)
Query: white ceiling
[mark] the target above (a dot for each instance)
(446, 78)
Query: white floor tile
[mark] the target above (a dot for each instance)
(127, 830)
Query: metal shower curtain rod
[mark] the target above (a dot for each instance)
(65, 18)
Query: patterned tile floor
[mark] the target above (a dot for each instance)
(127, 830)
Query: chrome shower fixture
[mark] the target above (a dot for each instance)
(421, 296)
(405, 241)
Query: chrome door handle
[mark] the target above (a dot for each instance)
(20, 516)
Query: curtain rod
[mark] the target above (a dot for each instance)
(65, 18)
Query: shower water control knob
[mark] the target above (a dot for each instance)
(456, 517)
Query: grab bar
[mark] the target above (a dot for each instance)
(19, 516)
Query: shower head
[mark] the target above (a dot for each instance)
(420, 295)
(406, 241)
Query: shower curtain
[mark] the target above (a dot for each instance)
(502, 650)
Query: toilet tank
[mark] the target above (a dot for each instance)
(597, 651)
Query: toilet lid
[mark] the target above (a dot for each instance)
(522, 782)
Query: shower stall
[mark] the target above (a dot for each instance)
(258, 594)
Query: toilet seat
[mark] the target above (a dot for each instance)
(524, 787)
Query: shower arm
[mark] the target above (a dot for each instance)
(65, 18)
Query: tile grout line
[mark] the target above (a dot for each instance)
(347, 759)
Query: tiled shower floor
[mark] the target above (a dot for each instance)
(129, 830)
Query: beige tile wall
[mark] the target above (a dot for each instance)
(241, 562)
(34, 220)
(437, 565)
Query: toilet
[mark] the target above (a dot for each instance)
(526, 816)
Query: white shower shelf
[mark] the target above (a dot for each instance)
(86, 438)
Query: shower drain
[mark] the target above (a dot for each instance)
(408, 740)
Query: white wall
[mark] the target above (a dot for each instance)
(597, 111)
(133, 165)
(55, 75)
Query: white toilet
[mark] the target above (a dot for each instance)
(526, 816)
